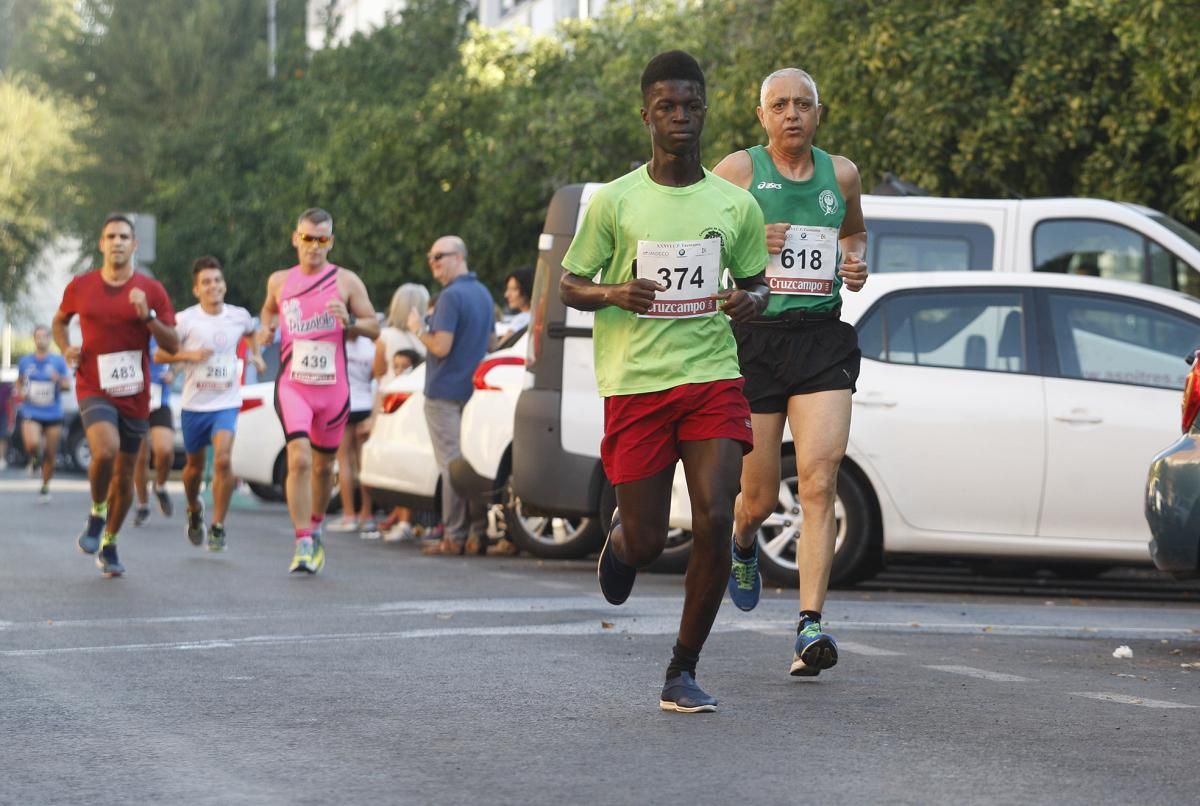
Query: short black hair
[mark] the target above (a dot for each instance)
(673, 65)
(118, 217)
(524, 278)
(414, 358)
(206, 262)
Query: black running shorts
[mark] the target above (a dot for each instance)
(782, 359)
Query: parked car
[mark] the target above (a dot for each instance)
(998, 414)
(1173, 491)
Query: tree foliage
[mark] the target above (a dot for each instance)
(431, 125)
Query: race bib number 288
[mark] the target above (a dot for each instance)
(689, 269)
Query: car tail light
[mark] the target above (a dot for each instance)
(480, 377)
(251, 403)
(394, 401)
(1191, 393)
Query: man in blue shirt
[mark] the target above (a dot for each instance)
(42, 378)
(458, 335)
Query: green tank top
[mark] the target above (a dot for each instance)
(814, 202)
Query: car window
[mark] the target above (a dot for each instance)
(979, 330)
(895, 245)
(1103, 338)
(1089, 247)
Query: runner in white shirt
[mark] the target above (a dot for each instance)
(208, 340)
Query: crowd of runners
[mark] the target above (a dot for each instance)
(717, 299)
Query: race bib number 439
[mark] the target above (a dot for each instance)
(312, 362)
(121, 373)
(807, 264)
(689, 269)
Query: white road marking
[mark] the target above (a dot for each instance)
(982, 674)
(1126, 699)
(855, 648)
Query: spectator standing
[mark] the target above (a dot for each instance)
(456, 339)
(518, 291)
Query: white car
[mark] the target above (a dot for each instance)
(259, 455)
(399, 468)
(998, 415)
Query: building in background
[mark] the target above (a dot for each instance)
(362, 16)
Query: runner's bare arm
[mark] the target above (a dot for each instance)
(58, 328)
(254, 353)
(359, 304)
(736, 168)
(270, 309)
(853, 236)
(748, 301)
(637, 295)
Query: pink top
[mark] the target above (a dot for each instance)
(303, 318)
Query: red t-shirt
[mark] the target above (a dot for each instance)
(110, 325)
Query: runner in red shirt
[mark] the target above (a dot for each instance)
(119, 310)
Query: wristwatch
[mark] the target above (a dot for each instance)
(350, 319)
(150, 317)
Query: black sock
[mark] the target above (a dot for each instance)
(743, 554)
(683, 659)
(808, 615)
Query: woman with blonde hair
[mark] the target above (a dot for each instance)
(394, 338)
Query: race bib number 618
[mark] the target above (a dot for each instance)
(689, 269)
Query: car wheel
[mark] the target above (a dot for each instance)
(265, 492)
(78, 450)
(856, 553)
(676, 553)
(550, 537)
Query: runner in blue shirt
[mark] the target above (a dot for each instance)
(42, 378)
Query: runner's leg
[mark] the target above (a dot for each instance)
(51, 434)
(713, 469)
(120, 494)
(820, 424)
(322, 480)
(31, 438)
(162, 441)
(141, 475)
(104, 441)
(299, 482)
(223, 480)
(193, 476)
(760, 478)
(645, 507)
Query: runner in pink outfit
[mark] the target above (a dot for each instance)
(319, 305)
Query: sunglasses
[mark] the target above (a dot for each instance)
(318, 239)
(436, 256)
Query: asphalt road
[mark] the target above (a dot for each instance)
(398, 678)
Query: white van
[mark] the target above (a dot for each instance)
(1068, 236)
(559, 415)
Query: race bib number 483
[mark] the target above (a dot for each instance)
(313, 362)
(807, 264)
(690, 270)
(121, 373)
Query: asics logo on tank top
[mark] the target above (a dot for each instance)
(770, 186)
(297, 325)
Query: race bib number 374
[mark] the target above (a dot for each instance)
(689, 269)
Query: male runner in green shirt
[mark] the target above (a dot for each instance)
(666, 361)
(800, 360)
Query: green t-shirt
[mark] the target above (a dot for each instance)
(814, 202)
(634, 354)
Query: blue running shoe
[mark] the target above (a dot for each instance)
(745, 581)
(616, 578)
(682, 695)
(89, 541)
(108, 563)
(302, 559)
(815, 650)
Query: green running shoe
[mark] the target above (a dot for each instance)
(216, 537)
(303, 558)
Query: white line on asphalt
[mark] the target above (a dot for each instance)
(855, 648)
(1126, 699)
(982, 674)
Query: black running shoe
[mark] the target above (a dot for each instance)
(141, 516)
(681, 694)
(107, 561)
(89, 541)
(195, 526)
(616, 578)
(164, 501)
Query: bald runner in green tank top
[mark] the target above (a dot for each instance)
(815, 204)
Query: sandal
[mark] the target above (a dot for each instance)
(445, 546)
(505, 548)
(476, 545)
